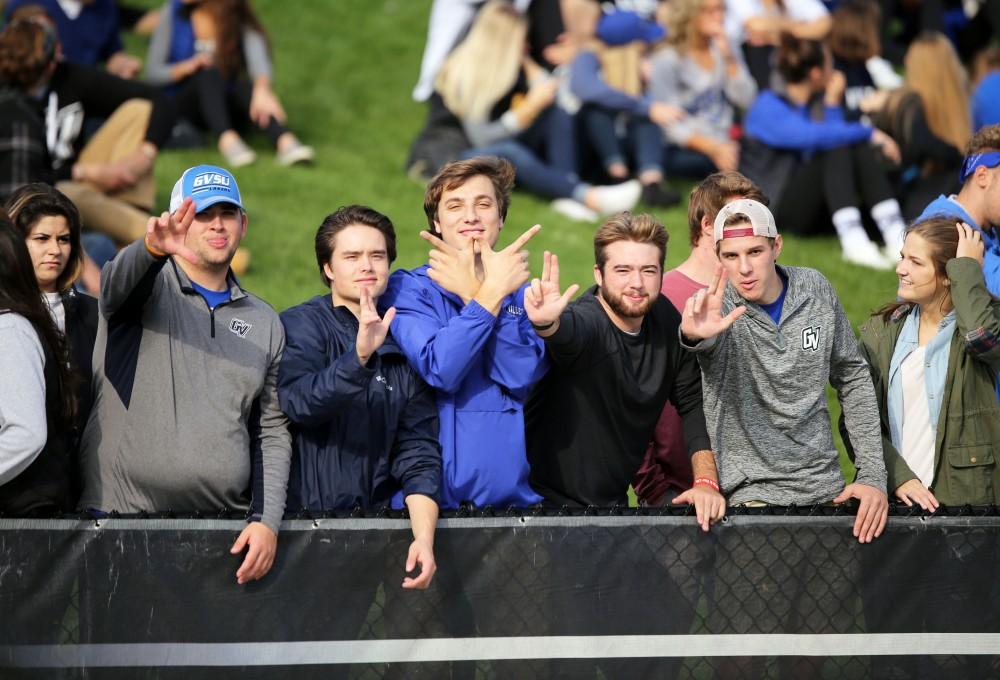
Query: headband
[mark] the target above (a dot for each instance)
(990, 159)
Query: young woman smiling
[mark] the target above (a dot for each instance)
(934, 356)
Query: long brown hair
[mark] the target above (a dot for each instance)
(854, 34)
(934, 72)
(230, 18)
(941, 237)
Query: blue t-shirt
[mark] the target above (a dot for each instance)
(214, 298)
(774, 309)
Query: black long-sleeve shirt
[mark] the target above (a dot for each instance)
(78, 92)
(590, 419)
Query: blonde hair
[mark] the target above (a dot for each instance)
(680, 20)
(934, 72)
(485, 66)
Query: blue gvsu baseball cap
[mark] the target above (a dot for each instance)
(207, 185)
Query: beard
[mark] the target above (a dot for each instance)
(622, 307)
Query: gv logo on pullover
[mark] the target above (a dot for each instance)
(810, 338)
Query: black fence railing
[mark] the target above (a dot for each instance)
(621, 593)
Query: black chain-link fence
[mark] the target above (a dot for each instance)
(624, 593)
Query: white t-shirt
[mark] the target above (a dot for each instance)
(739, 11)
(918, 434)
(56, 309)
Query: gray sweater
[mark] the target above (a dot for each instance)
(186, 414)
(22, 399)
(765, 397)
(710, 97)
(158, 65)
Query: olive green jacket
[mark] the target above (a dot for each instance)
(967, 449)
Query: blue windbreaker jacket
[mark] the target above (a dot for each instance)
(363, 435)
(481, 368)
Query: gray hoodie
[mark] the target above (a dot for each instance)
(765, 397)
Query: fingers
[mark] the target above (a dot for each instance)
(437, 242)
(554, 271)
(249, 570)
(729, 319)
(546, 265)
(390, 314)
(425, 558)
(568, 295)
(241, 542)
(716, 278)
(533, 295)
(863, 524)
(524, 238)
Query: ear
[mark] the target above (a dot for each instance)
(246, 222)
(598, 277)
(328, 271)
(707, 228)
(778, 244)
(436, 229)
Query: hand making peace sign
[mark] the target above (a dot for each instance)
(168, 232)
(542, 301)
(372, 328)
(702, 318)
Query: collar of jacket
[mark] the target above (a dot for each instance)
(236, 292)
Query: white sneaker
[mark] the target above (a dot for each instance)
(238, 154)
(616, 198)
(866, 254)
(574, 210)
(297, 153)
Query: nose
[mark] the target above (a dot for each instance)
(745, 267)
(471, 214)
(901, 268)
(366, 264)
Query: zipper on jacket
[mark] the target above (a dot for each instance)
(211, 314)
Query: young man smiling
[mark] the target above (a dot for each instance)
(358, 406)
(782, 331)
(615, 363)
(460, 321)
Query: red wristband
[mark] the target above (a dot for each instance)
(706, 481)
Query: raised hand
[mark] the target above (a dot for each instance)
(970, 243)
(168, 232)
(372, 328)
(543, 302)
(505, 270)
(702, 318)
(452, 268)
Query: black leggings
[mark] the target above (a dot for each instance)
(208, 100)
(827, 182)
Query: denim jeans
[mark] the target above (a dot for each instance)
(544, 155)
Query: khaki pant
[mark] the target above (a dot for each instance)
(123, 214)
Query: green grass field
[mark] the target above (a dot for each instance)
(345, 70)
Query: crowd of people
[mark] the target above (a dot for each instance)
(468, 381)
(79, 112)
(602, 106)
(472, 379)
